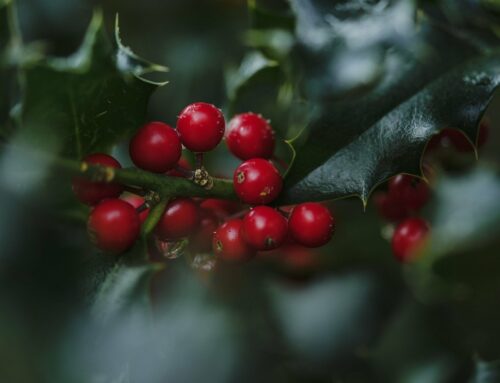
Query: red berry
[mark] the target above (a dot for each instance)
(182, 163)
(484, 133)
(388, 208)
(264, 228)
(228, 244)
(221, 207)
(90, 192)
(201, 127)
(179, 220)
(257, 182)
(250, 136)
(408, 192)
(137, 202)
(450, 138)
(201, 241)
(113, 225)
(155, 147)
(408, 237)
(311, 224)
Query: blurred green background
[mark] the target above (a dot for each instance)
(67, 314)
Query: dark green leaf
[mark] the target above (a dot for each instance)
(354, 145)
(88, 101)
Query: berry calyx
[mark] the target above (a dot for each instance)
(179, 220)
(257, 182)
(156, 147)
(201, 240)
(113, 225)
(408, 237)
(249, 135)
(311, 224)
(92, 192)
(228, 243)
(408, 192)
(137, 202)
(201, 127)
(264, 228)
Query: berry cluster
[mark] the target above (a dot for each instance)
(233, 230)
(400, 204)
(406, 195)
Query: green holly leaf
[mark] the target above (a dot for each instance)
(354, 144)
(86, 102)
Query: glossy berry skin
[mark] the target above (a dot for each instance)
(257, 182)
(179, 220)
(113, 225)
(92, 193)
(156, 147)
(222, 208)
(228, 243)
(311, 224)
(249, 135)
(408, 236)
(137, 202)
(264, 228)
(410, 193)
(388, 208)
(201, 127)
(201, 241)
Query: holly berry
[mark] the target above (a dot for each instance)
(388, 208)
(201, 241)
(221, 207)
(408, 192)
(228, 243)
(249, 136)
(155, 147)
(113, 225)
(179, 220)
(408, 237)
(311, 224)
(453, 138)
(257, 182)
(137, 202)
(201, 127)
(264, 228)
(90, 192)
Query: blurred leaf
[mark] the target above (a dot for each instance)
(486, 372)
(355, 145)
(341, 46)
(88, 101)
(341, 303)
(460, 220)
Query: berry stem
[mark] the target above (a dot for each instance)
(142, 208)
(185, 172)
(199, 160)
(135, 190)
(139, 179)
(154, 216)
